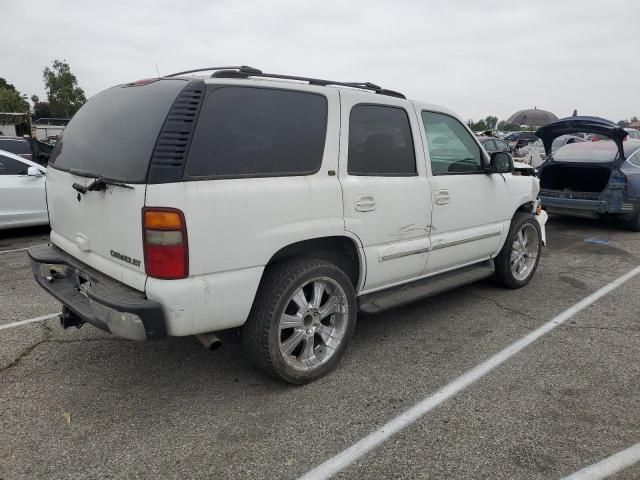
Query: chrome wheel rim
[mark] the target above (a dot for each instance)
(524, 252)
(313, 324)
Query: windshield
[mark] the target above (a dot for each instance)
(113, 135)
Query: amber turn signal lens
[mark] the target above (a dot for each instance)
(160, 220)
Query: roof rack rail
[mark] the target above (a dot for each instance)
(241, 68)
(244, 71)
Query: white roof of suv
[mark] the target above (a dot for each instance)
(252, 76)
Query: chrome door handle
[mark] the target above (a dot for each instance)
(365, 203)
(442, 197)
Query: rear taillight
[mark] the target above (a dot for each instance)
(164, 234)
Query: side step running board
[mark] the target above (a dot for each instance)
(397, 296)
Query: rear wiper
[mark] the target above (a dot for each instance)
(99, 184)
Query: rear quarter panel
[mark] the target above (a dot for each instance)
(235, 226)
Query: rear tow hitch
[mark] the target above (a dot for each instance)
(70, 319)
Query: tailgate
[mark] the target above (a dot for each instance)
(112, 137)
(100, 228)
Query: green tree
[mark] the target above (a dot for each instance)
(491, 122)
(623, 123)
(11, 100)
(64, 95)
(503, 126)
(478, 126)
(575, 113)
(40, 109)
(6, 86)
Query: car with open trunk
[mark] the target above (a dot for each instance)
(593, 179)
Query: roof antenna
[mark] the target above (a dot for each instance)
(158, 71)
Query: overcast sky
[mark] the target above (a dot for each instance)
(475, 57)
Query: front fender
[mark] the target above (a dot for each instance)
(542, 218)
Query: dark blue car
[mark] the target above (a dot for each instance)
(594, 179)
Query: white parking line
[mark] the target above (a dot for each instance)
(345, 458)
(608, 466)
(31, 320)
(14, 250)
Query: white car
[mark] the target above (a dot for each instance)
(633, 133)
(22, 192)
(282, 205)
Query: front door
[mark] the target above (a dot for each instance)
(471, 209)
(386, 193)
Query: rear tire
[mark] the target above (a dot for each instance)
(634, 223)
(301, 321)
(518, 260)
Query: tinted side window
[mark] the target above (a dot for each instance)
(256, 132)
(9, 166)
(501, 146)
(452, 149)
(380, 142)
(489, 146)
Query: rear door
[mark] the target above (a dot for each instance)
(113, 136)
(385, 191)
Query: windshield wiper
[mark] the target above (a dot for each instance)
(98, 185)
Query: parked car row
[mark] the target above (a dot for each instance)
(27, 147)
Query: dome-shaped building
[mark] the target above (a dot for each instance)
(533, 117)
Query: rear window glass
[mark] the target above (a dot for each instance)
(19, 147)
(114, 133)
(255, 132)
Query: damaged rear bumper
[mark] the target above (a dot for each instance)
(586, 204)
(96, 298)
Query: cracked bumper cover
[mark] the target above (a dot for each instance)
(588, 202)
(96, 298)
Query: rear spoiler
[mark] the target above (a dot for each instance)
(569, 125)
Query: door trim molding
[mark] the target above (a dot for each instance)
(394, 256)
(465, 240)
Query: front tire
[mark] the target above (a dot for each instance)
(518, 260)
(301, 321)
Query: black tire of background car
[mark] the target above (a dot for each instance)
(259, 334)
(503, 274)
(634, 223)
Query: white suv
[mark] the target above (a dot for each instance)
(283, 205)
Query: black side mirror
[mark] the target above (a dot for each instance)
(500, 162)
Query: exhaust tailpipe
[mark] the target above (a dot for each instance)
(209, 340)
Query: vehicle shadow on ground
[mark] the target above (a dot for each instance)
(16, 237)
(583, 225)
(183, 366)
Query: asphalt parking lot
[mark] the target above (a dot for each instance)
(81, 403)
